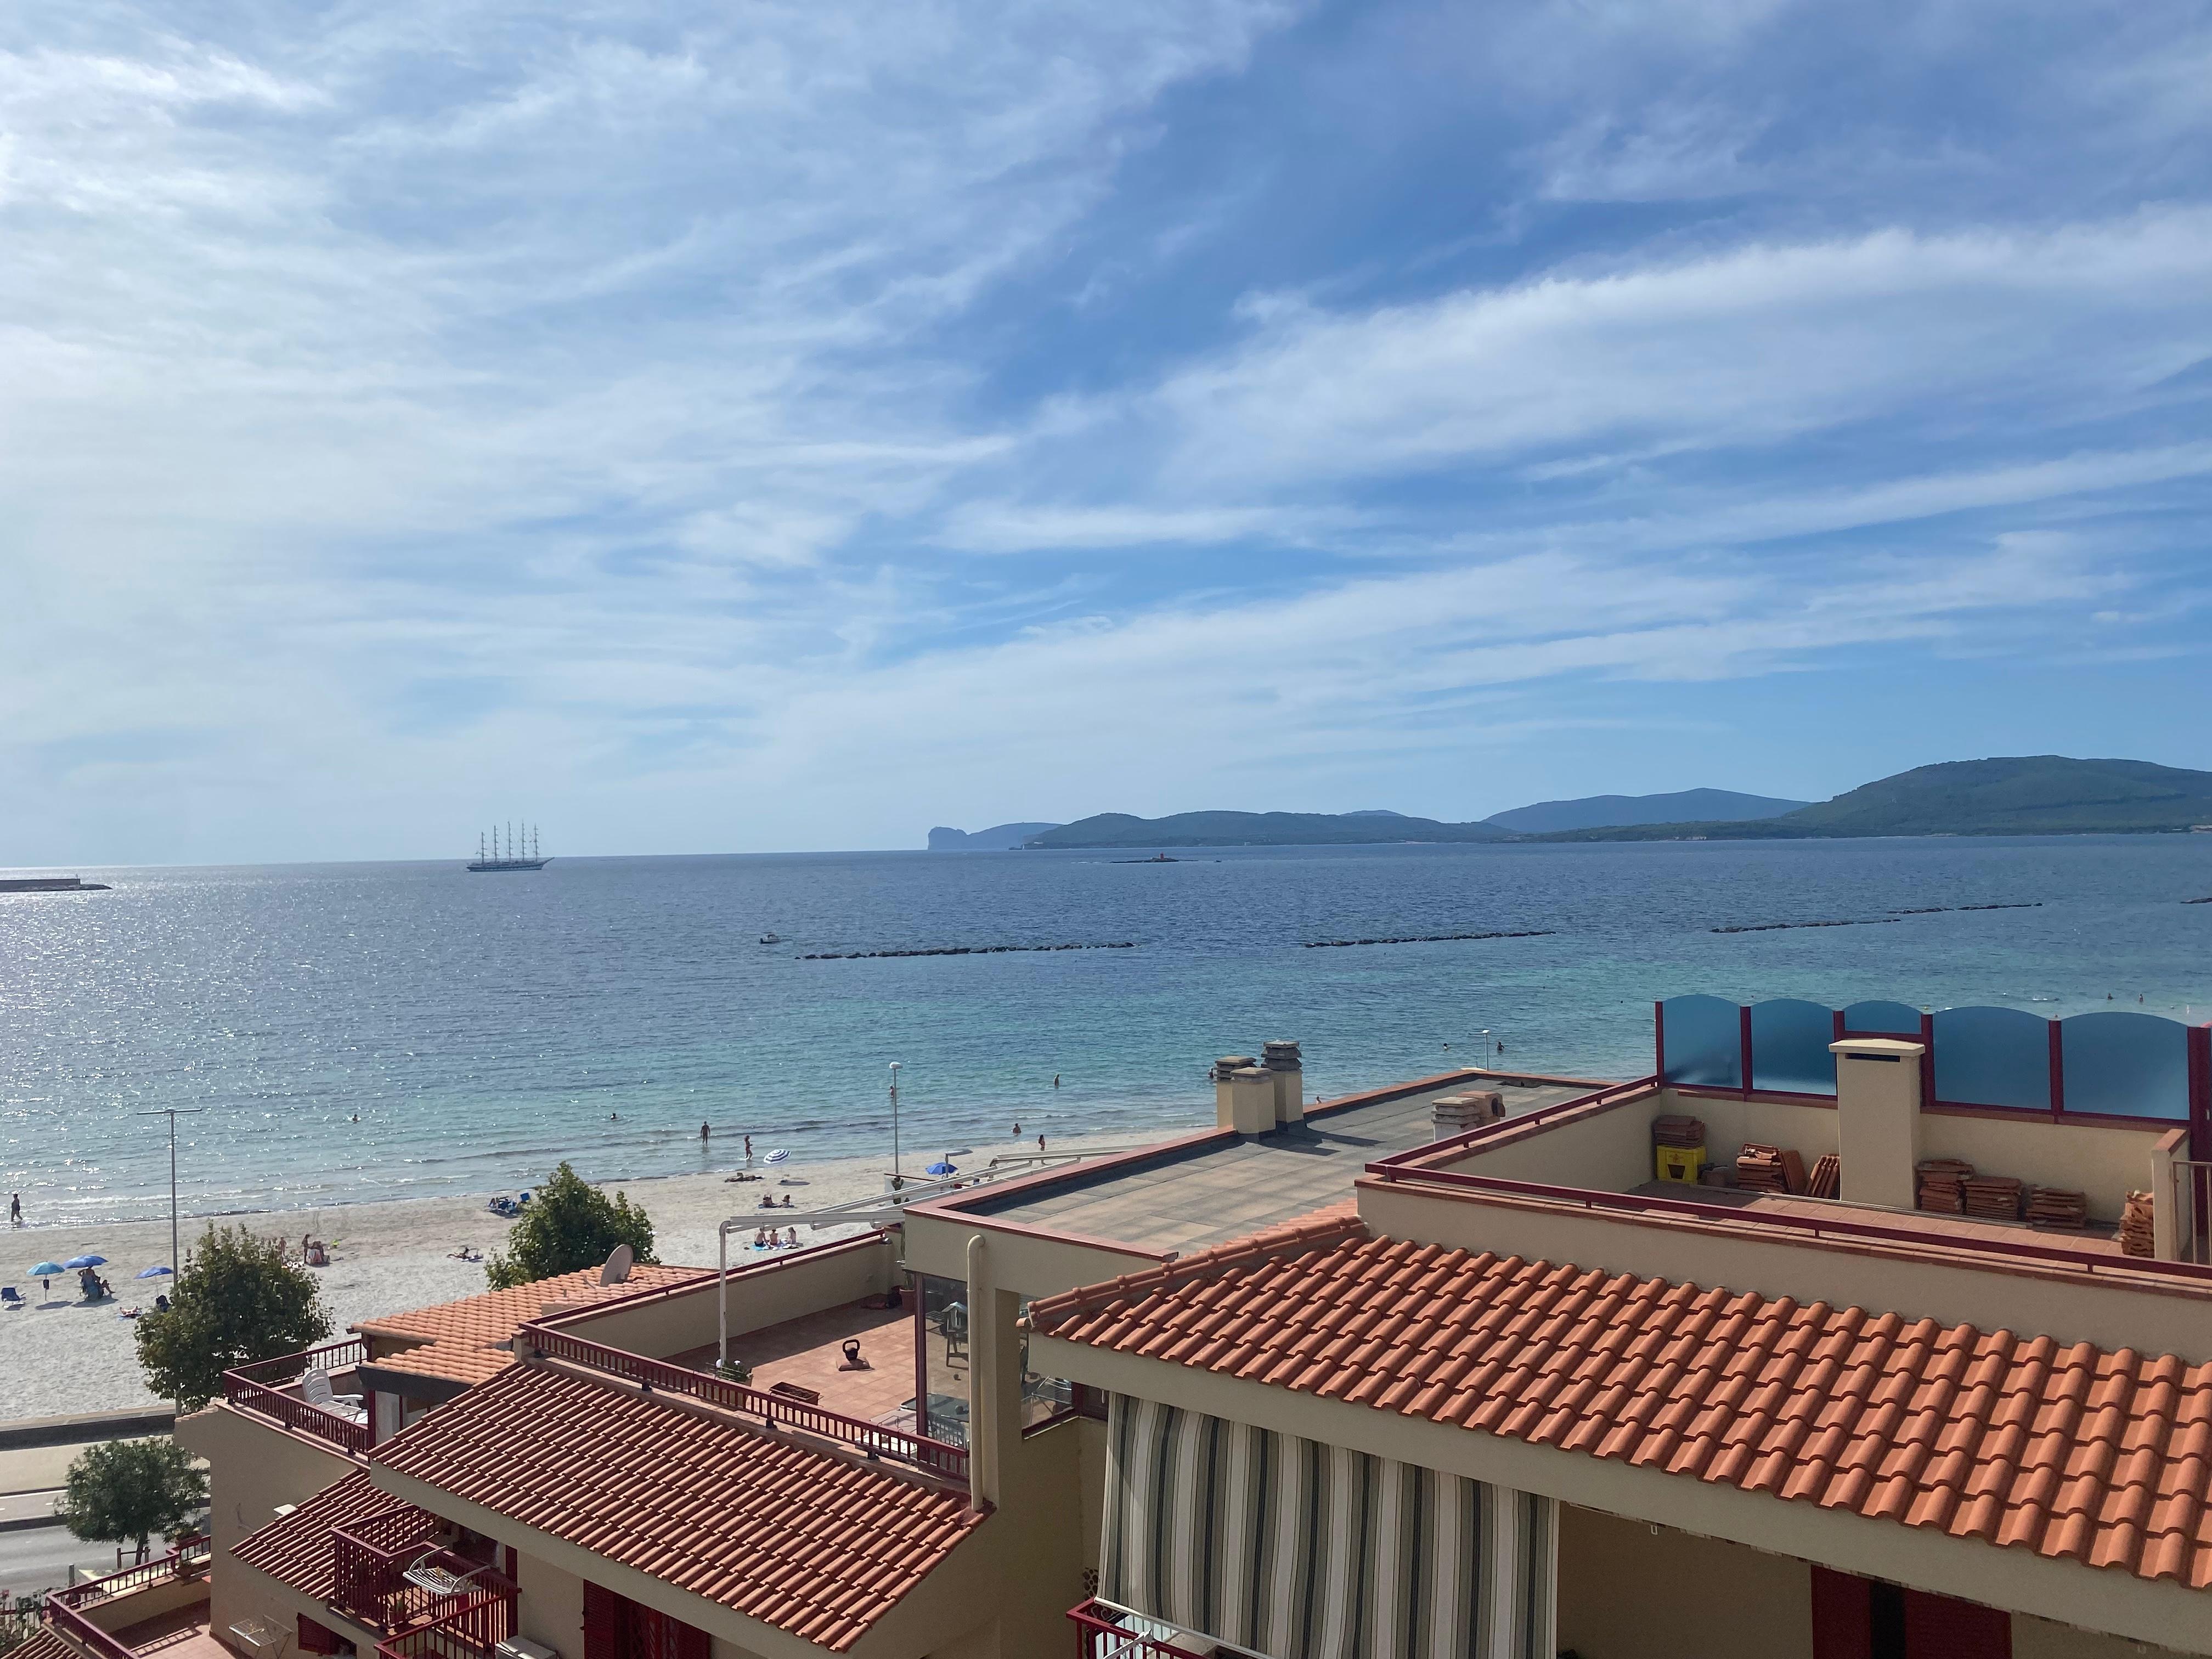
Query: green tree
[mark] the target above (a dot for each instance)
(129, 1489)
(237, 1300)
(570, 1224)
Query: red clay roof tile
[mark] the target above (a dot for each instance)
(816, 1543)
(2067, 1449)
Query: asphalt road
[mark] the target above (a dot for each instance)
(38, 1557)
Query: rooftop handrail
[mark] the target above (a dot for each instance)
(1591, 1198)
(289, 1367)
(368, 1559)
(190, 1555)
(259, 1388)
(874, 1439)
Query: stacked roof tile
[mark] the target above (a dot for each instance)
(2022, 1442)
(465, 1341)
(294, 1549)
(816, 1543)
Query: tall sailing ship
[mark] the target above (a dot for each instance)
(511, 852)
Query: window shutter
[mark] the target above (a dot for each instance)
(601, 1613)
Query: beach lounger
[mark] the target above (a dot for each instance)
(10, 1298)
(315, 1389)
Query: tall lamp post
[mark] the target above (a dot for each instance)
(898, 1178)
(176, 1265)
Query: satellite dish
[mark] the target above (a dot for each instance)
(618, 1266)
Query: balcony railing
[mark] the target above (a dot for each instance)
(260, 1388)
(189, 1558)
(64, 1608)
(468, 1628)
(369, 1561)
(875, 1440)
(1112, 1632)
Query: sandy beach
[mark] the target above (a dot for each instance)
(58, 1357)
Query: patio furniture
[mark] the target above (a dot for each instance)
(793, 1391)
(315, 1389)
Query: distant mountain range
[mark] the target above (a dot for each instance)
(2013, 795)
(2026, 795)
(1602, 812)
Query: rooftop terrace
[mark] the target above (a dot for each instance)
(1207, 1189)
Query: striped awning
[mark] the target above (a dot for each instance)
(1295, 1549)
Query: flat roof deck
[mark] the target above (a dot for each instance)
(808, 1350)
(2097, 1237)
(1188, 1197)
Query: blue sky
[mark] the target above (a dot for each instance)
(700, 428)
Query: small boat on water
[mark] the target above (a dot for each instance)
(513, 852)
(771, 939)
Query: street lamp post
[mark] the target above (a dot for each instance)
(898, 1177)
(170, 1112)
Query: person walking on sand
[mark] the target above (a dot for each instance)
(1040, 1143)
(749, 1151)
(15, 1209)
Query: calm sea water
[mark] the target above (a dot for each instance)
(483, 1027)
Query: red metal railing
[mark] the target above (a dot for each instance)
(1812, 1226)
(260, 1388)
(369, 1559)
(933, 1456)
(191, 1556)
(1105, 1637)
(63, 1609)
(467, 1628)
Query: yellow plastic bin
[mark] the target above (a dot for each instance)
(1683, 1164)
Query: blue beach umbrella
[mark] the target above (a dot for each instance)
(46, 1270)
(77, 1261)
(155, 1272)
(942, 1167)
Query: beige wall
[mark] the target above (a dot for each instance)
(244, 1592)
(253, 1467)
(550, 1607)
(1031, 1265)
(1092, 1438)
(2106, 1163)
(1627, 1592)
(760, 1296)
(2111, 1311)
(1610, 1149)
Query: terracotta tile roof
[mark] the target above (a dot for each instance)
(815, 1544)
(492, 1316)
(44, 1645)
(294, 1549)
(463, 1341)
(2103, 1457)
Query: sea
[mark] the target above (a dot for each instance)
(339, 1033)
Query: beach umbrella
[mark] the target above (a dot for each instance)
(943, 1166)
(155, 1272)
(77, 1261)
(776, 1157)
(46, 1270)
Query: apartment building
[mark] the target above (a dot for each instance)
(1449, 1368)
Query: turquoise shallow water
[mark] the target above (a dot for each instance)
(483, 1027)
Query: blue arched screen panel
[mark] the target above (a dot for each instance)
(1993, 1057)
(2126, 1065)
(1895, 1019)
(1703, 1039)
(1789, 1043)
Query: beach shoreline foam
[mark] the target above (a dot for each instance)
(57, 1356)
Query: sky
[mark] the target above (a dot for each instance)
(699, 428)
